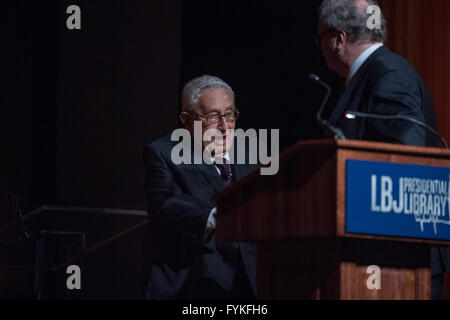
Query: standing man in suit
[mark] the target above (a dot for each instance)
(184, 259)
(377, 82)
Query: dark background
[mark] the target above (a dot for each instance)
(78, 106)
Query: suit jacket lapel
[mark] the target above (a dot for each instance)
(237, 171)
(210, 173)
(344, 102)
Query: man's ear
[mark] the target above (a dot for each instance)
(341, 39)
(185, 118)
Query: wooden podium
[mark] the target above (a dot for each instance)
(298, 220)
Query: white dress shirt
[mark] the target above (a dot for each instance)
(360, 60)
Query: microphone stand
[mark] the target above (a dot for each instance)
(355, 114)
(328, 127)
(18, 215)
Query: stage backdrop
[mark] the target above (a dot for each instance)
(419, 31)
(79, 105)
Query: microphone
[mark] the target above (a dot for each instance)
(355, 114)
(328, 127)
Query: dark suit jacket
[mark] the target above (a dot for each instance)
(387, 84)
(179, 204)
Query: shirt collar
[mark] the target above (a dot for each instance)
(226, 157)
(360, 60)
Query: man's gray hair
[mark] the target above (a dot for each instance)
(352, 18)
(192, 89)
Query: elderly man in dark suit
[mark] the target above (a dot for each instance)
(184, 259)
(378, 82)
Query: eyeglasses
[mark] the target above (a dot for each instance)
(318, 36)
(215, 117)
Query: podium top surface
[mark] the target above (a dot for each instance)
(310, 196)
(354, 145)
(368, 146)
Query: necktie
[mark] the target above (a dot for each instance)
(225, 172)
(230, 249)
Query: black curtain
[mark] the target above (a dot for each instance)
(265, 51)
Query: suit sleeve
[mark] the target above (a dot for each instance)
(396, 93)
(177, 221)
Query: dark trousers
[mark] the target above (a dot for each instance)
(209, 289)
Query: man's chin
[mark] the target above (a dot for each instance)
(218, 150)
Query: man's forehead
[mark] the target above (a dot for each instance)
(218, 97)
(214, 92)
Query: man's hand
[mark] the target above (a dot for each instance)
(210, 225)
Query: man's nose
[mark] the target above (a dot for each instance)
(223, 124)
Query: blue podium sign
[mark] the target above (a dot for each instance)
(399, 200)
